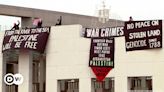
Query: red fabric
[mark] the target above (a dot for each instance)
(101, 72)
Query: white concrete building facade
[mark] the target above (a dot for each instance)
(65, 62)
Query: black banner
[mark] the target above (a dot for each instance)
(103, 32)
(140, 35)
(102, 52)
(31, 38)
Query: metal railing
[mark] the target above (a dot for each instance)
(35, 87)
(11, 88)
(14, 88)
(140, 91)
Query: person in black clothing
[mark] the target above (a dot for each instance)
(59, 21)
(130, 18)
(16, 26)
(39, 24)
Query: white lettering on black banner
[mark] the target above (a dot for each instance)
(34, 39)
(103, 32)
(143, 34)
(102, 52)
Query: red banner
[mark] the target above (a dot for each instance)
(101, 72)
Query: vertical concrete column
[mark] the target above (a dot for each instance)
(129, 83)
(157, 83)
(25, 68)
(26, 22)
(41, 77)
(143, 83)
(2, 72)
(85, 85)
(121, 84)
(60, 85)
(52, 86)
(15, 68)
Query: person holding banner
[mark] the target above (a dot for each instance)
(16, 26)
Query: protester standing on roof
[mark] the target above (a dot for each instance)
(16, 26)
(59, 21)
(130, 18)
(37, 22)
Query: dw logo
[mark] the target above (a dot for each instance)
(16, 79)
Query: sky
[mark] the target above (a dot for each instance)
(119, 9)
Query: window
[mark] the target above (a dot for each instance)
(105, 86)
(71, 85)
(139, 84)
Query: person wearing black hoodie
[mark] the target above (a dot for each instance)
(16, 26)
(59, 21)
